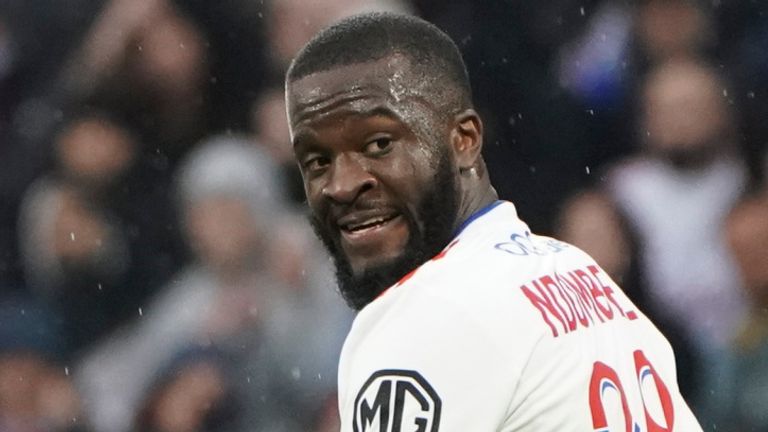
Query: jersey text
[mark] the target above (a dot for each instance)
(576, 299)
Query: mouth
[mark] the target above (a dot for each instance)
(360, 226)
(372, 237)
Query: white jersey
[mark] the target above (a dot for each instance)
(505, 330)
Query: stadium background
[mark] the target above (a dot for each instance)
(156, 271)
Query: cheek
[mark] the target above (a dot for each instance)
(313, 191)
(412, 177)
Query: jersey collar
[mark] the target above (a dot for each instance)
(476, 215)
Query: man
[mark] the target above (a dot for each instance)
(467, 321)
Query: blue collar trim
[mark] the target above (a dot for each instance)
(476, 215)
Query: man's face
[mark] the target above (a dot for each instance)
(378, 172)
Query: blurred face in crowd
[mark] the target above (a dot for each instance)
(747, 232)
(590, 222)
(379, 177)
(184, 403)
(95, 151)
(32, 390)
(685, 116)
(222, 232)
(171, 60)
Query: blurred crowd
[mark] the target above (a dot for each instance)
(156, 270)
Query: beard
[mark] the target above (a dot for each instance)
(438, 211)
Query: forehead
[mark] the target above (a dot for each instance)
(387, 81)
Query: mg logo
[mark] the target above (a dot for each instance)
(396, 401)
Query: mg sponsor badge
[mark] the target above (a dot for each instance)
(396, 401)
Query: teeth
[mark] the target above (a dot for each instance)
(365, 224)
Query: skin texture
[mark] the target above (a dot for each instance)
(389, 174)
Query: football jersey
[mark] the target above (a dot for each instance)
(505, 330)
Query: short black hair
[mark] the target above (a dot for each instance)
(376, 35)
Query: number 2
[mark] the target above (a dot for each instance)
(605, 378)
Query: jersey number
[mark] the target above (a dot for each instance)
(605, 381)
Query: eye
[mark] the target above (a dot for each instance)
(378, 146)
(315, 163)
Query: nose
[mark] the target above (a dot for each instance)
(349, 178)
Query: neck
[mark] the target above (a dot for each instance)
(479, 195)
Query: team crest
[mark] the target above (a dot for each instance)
(396, 401)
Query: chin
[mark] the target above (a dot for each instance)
(367, 265)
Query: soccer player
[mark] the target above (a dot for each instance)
(467, 321)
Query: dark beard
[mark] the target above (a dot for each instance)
(437, 211)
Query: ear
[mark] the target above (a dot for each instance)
(467, 138)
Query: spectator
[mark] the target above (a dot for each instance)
(677, 195)
(75, 253)
(87, 249)
(146, 61)
(740, 402)
(190, 394)
(36, 391)
(674, 198)
(34, 39)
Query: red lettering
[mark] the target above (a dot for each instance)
(548, 282)
(609, 293)
(578, 304)
(574, 297)
(596, 293)
(544, 304)
(586, 298)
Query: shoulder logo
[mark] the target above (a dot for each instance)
(396, 401)
(529, 244)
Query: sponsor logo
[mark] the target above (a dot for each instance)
(396, 401)
(528, 244)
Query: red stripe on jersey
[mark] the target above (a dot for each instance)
(410, 274)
